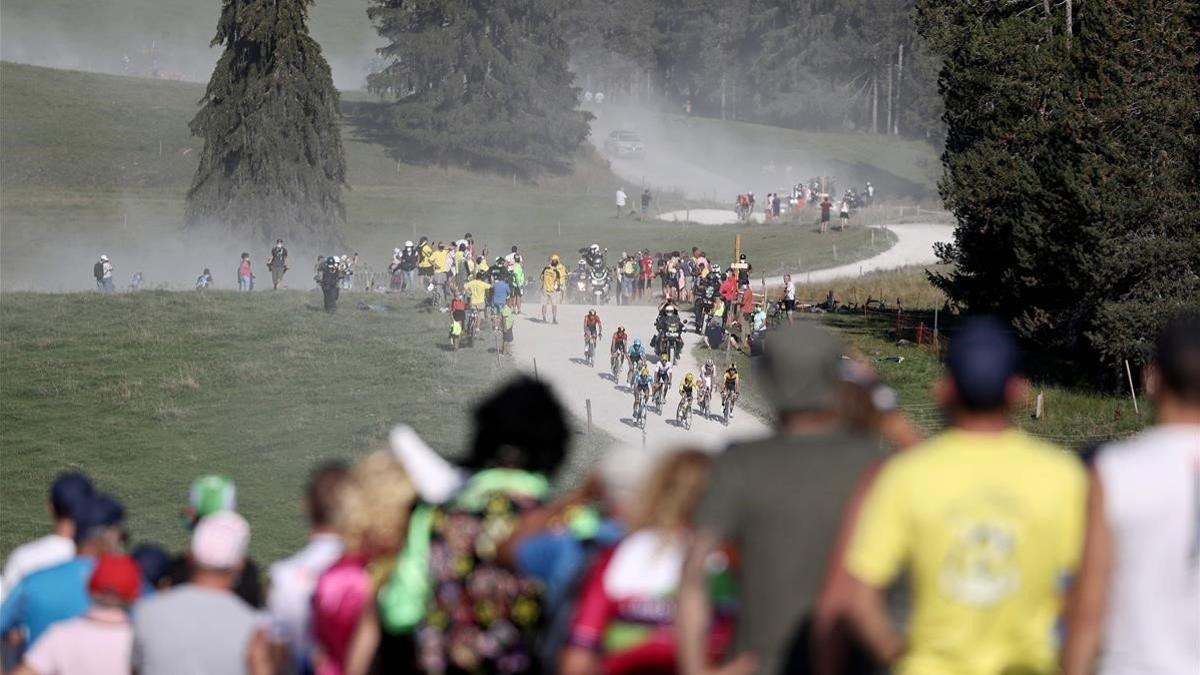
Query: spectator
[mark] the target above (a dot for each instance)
(826, 205)
(103, 271)
(155, 565)
(100, 641)
(202, 626)
(987, 521)
(211, 494)
(844, 214)
(245, 274)
(1135, 607)
(646, 199)
(70, 491)
(372, 518)
(486, 615)
(60, 592)
(294, 578)
(625, 621)
(757, 495)
(622, 198)
(204, 281)
(508, 320)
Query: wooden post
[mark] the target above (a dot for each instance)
(1039, 406)
(589, 414)
(535, 371)
(935, 324)
(835, 252)
(560, 229)
(1132, 392)
(737, 247)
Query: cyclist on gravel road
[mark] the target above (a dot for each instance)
(619, 341)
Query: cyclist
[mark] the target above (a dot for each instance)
(731, 382)
(619, 340)
(637, 356)
(708, 373)
(687, 391)
(662, 372)
(641, 386)
(591, 326)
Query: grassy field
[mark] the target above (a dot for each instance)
(147, 391)
(101, 163)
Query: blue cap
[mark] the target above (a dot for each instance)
(69, 490)
(153, 561)
(983, 357)
(99, 512)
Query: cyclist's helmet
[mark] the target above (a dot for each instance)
(554, 258)
(688, 379)
(645, 370)
(620, 329)
(708, 363)
(662, 357)
(637, 343)
(733, 367)
(592, 312)
(330, 260)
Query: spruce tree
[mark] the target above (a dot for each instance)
(481, 83)
(272, 164)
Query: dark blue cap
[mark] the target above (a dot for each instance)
(153, 561)
(100, 511)
(69, 490)
(983, 357)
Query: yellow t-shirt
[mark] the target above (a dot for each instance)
(478, 291)
(441, 261)
(551, 281)
(990, 527)
(426, 257)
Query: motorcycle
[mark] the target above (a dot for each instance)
(599, 284)
(670, 342)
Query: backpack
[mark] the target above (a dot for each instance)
(98, 271)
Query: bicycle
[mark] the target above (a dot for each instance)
(639, 410)
(705, 402)
(589, 349)
(617, 360)
(683, 414)
(727, 401)
(472, 327)
(660, 394)
(633, 370)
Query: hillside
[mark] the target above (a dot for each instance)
(101, 163)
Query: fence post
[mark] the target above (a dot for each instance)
(535, 372)
(1132, 392)
(1038, 407)
(589, 414)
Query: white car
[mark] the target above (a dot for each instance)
(624, 144)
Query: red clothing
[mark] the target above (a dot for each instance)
(747, 301)
(591, 324)
(458, 305)
(244, 268)
(728, 288)
(647, 267)
(342, 593)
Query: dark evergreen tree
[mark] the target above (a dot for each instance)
(482, 83)
(1070, 166)
(272, 164)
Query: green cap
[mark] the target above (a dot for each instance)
(212, 493)
(801, 368)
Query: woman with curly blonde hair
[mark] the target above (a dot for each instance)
(372, 519)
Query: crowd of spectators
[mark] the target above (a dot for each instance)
(793, 553)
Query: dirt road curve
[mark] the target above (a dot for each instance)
(558, 350)
(914, 246)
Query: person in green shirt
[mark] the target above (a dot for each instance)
(518, 282)
(508, 318)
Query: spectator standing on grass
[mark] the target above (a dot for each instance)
(425, 261)
(826, 205)
(204, 281)
(293, 579)
(986, 520)
(59, 592)
(844, 213)
(245, 274)
(100, 641)
(1135, 605)
(372, 518)
(758, 492)
(508, 319)
(409, 260)
(646, 198)
(202, 626)
(278, 263)
(103, 271)
(328, 276)
(69, 492)
(621, 201)
(207, 495)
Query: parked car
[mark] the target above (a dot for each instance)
(624, 144)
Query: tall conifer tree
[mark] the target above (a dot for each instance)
(272, 164)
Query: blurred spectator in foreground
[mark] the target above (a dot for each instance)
(293, 579)
(625, 620)
(207, 495)
(60, 592)
(154, 563)
(372, 519)
(778, 502)
(100, 641)
(1135, 607)
(202, 626)
(69, 491)
(987, 521)
(484, 616)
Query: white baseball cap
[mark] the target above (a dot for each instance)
(104, 257)
(219, 541)
(408, 243)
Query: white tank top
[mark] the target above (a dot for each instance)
(1152, 502)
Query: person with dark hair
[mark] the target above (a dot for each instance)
(986, 519)
(155, 565)
(69, 491)
(278, 263)
(1135, 605)
(293, 579)
(60, 592)
(245, 274)
(484, 615)
(328, 277)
